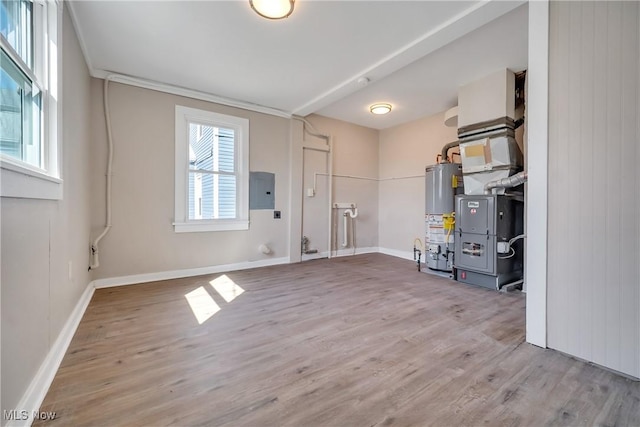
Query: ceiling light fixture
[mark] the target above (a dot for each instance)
(380, 108)
(451, 117)
(272, 9)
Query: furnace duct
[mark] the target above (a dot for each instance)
(489, 153)
(510, 182)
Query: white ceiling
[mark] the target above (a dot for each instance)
(415, 53)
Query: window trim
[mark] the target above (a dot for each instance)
(184, 115)
(20, 179)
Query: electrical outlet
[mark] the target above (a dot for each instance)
(503, 247)
(276, 215)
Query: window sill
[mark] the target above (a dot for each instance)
(201, 226)
(25, 183)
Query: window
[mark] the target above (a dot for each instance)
(212, 171)
(28, 99)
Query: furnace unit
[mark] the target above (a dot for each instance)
(489, 243)
(490, 215)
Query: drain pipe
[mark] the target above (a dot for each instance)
(445, 151)
(353, 214)
(510, 182)
(95, 260)
(345, 240)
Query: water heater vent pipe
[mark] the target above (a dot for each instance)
(445, 150)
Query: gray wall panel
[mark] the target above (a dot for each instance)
(593, 276)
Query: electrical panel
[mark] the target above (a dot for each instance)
(262, 190)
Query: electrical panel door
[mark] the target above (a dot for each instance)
(262, 190)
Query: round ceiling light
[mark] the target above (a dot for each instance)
(380, 108)
(451, 117)
(273, 9)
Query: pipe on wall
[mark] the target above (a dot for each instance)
(95, 259)
(330, 190)
(310, 129)
(353, 214)
(345, 235)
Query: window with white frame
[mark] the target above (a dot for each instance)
(28, 98)
(212, 171)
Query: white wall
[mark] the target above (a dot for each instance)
(594, 201)
(40, 238)
(406, 150)
(142, 239)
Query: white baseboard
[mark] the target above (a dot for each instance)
(188, 272)
(37, 390)
(349, 251)
(396, 253)
(370, 250)
(340, 253)
(317, 255)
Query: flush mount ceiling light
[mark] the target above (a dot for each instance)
(380, 108)
(451, 117)
(272, 9)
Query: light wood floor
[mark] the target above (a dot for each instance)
(357, 341)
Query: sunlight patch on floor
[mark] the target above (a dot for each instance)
(202, 304)
(227, 288)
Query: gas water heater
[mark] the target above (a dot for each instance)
(443, 182)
